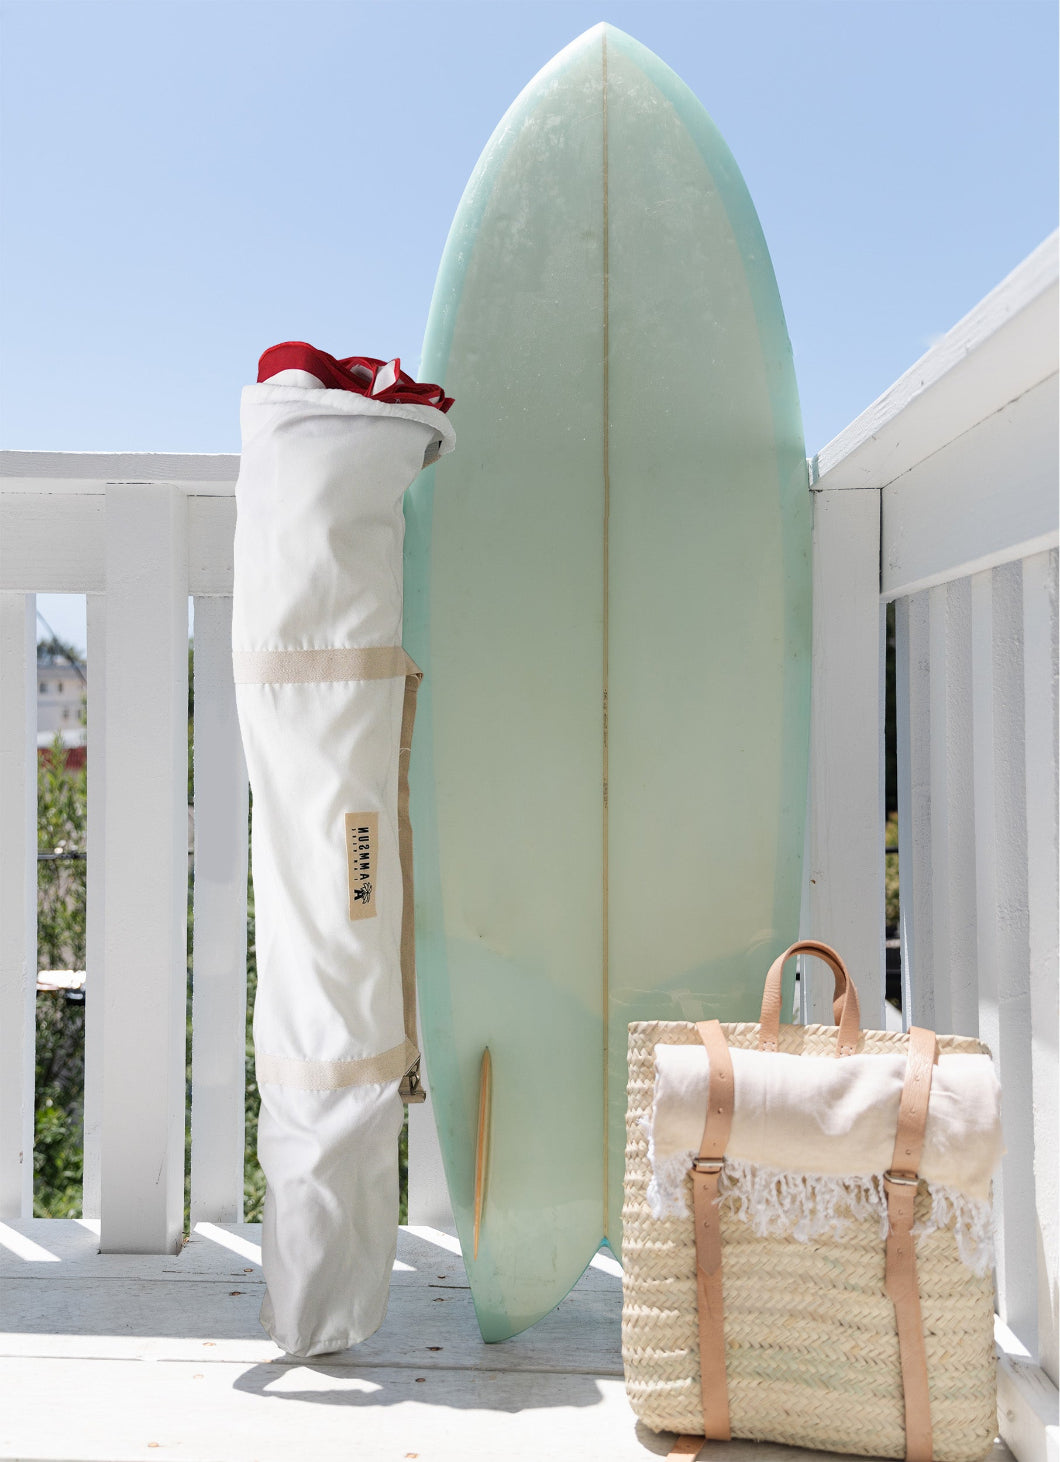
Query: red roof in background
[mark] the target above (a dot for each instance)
(76, 757)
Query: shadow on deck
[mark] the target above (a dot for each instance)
(110, 1358)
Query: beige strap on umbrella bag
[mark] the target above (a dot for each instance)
(325, 696)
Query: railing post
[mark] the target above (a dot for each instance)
(219, 959)
(18, 899)
(95, 883)
(952, 792)
(846, 801)
(999, 889)
(429, 1203)
(937, 810)
(1042, 715)
(146, 870)
(913, 728)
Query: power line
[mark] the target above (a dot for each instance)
(67, 650)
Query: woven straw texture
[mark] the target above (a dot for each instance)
(810, 1340)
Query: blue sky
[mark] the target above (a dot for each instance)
(187, 181)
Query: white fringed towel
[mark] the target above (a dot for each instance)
(812, 1135)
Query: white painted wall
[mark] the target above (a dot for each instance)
(961, 457)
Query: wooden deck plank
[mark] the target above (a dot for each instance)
(127, 1358)
(30, 1247)
(425, 1326)
(115, 1411)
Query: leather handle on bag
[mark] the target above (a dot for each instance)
(845, 1006)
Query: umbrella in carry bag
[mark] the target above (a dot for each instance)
(326, 697)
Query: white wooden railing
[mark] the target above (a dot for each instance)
(942, 497)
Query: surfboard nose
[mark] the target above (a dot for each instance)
(589, 40)
(596, 32)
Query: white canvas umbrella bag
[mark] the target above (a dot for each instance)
(325, 696)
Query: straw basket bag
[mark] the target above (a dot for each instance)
(807, 1234)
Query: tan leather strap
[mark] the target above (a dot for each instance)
(845, 1006)
(685, 1448)
(706, 1169)
(411, 1088)
(900, 1183)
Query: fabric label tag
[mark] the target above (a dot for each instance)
(362, 843)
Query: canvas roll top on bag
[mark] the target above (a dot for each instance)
(326, 696)
(807, 1241)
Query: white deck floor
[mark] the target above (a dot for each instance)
(113, 1358)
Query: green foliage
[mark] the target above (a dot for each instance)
(403, 1169)
(62, 805)
(253, 1177)
(57, 1158)
(60, 1065)
(54, 649)
(890, 875)
(890, 729)
(191, 741)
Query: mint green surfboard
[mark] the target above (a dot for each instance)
(608, 587)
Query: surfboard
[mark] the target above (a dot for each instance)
(608, 589)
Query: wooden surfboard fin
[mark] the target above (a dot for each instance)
(485, 1093)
